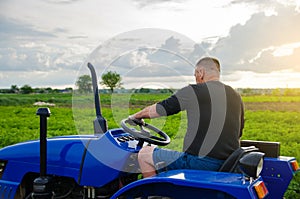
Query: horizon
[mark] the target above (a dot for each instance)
(153, 88)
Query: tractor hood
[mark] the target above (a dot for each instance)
(64, 155)
(63, 150)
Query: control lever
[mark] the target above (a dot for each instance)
(42, 186)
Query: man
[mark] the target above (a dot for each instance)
(215, 122)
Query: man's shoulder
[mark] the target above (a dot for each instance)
(215, 85)
(221, 84)
(206, 85)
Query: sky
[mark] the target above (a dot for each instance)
(151, 43)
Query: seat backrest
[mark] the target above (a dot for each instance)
(271, 149)
(231, 162)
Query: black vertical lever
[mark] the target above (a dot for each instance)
(42, 186)
(43, 113)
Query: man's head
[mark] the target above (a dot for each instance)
(207, 69)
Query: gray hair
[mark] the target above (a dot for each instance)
(209, 63)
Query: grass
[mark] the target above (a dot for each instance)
(61, 99)
(18, 121)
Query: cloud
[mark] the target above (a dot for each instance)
(56, 79)
(14, 29)
(146, 53)
(271, 61)
(59, 36)
(25, 48)
(255, 2)
(61, 1)
(262, 4)
(78, 37)
(275, 79)
(41, 56)
(141, 46)
(243, 48)
(149, 62)
(146, 3)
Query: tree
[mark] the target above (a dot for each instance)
(14, 89)
(26, 89)
(84, 84)
(111, 80)
(48, 90)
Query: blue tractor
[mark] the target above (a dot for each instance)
(104, 165)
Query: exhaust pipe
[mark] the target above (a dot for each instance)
(100, 124)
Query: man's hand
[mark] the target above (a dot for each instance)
(133, 121)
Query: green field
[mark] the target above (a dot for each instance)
(268, 118)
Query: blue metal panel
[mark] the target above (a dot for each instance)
(105, 159)
(64, 156)
(277, 174)
(15, 171)
(8, 189)
(202, 183)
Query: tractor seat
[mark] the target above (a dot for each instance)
(231, 162)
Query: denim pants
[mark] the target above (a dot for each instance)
(173, 160)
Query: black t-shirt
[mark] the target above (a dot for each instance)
(215, 116)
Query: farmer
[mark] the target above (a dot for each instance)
(215, 122)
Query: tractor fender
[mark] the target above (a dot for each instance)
(194, 183)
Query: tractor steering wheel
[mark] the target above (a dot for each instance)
(145, 135)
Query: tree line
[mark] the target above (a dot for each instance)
(111, 80)
(27, 89)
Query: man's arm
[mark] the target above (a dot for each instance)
(148, 112)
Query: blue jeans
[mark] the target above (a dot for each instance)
(173, 160)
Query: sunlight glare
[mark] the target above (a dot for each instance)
(285, 50)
